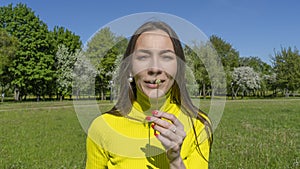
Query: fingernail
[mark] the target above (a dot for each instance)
(148, 118)
(156, 135)
(154, 112)
(152, 125)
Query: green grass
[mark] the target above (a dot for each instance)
(41, 138)
(258, 134)
(252, 134)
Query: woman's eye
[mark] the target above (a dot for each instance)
(142, 57)
(167, 57)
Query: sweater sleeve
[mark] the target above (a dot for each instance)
(196, 159)
(96, 156)
(192, 157)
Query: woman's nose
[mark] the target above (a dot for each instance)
(154, 67)
(154, 71)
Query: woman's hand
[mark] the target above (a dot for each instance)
(171, 135)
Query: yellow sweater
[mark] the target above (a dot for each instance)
(118, 142)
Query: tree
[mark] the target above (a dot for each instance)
(69, 39)
(102, 50)
(32, 66)
(229, 56)
(206, 67)
(265, 71)
(244, 78)
(64, 66)
(287, 68)
(256, 63)
(268, 82)
(72, 42)
(84, 73)
(197, 67)
(8, 48)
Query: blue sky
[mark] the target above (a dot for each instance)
(253, 27)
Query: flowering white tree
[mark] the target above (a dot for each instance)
(244, 78)
(64, 66)
(83, 75)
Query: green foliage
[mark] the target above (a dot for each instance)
(64, 36)
(33, 65)
(287, 68)
(8, 48)
(33, 68)
(98, 46)
(28, 63)
(256, 63)
(102, 50)
(207, 69)
(197, 67)
(229, 55)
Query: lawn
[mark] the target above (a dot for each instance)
(41, 135)
(251, 134)
(262, 134)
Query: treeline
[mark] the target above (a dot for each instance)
(37, 61)
(28, 53)
(249, 76)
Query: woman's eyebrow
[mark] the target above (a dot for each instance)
(150, 52)
(166, 51)
(144, 51)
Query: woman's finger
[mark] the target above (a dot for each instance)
(176, 136)
(161, 114)
(168, 116)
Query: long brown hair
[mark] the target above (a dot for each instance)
(179, 93)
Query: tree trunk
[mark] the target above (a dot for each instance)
(236, 92)
(102, 94)
(232, 93)
(287, 93)
(203, 91)
(2, 95)
(243, 93)
(16, 94)
(77, 94)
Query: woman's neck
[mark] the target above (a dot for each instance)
(150, 104)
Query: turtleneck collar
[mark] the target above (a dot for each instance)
(147, 103)
(143, 106)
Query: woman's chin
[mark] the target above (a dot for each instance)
(155, 93)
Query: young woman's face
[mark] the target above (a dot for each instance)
(154, 60)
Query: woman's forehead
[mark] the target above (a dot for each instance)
(157, 32)
(154, 40)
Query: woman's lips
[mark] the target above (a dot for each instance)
(152, 85)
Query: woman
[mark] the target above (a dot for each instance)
(154, 123)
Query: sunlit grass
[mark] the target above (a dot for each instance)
(252, 134)
(258, 134)
(41, 138)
